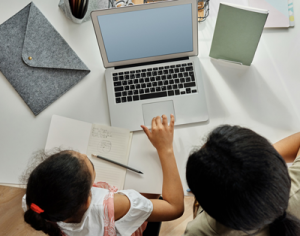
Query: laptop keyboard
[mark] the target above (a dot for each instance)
(156, 82)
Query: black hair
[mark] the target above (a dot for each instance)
(60, 186)
(241, 181)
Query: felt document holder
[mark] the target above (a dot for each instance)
(36, 60)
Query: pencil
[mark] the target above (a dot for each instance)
(119, 164)
(78, 9)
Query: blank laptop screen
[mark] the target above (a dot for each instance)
(147, 33)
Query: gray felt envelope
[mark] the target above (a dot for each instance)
(36, 60)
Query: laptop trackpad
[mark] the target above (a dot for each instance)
(151, 110)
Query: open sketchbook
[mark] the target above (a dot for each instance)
(110, 142)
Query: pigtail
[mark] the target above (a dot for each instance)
(286, 225)
(57, 190)
(39, 223)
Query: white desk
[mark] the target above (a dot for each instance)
(263, 97)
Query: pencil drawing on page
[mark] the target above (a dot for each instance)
(104, 146)
(112, 143)
(101, 133)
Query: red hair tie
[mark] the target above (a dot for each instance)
(35, 208)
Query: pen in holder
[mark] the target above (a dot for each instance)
(79, 11)
(203, 10)
(78, 8)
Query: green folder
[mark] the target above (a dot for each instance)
(237, 33)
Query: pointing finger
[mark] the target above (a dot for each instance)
(172, 121)
(165, 120)
(153, 123)
(158, 120)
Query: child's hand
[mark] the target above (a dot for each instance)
(161, 134)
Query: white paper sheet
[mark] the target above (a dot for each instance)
(65, 133)
(111, 143)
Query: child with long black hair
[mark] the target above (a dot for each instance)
(243, 185)
(62, 198)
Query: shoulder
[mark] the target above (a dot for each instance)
(98, 194)
(137, 201)
(200, 226)
(92, 220)
(294, 202)
(24, 205)
(205, 225)
(140, 208)
(100, 198)
(294, 172)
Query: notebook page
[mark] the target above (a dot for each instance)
(68, 134)
(111, 143)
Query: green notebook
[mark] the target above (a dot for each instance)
(237, 33)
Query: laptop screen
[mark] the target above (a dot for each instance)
(147, 33)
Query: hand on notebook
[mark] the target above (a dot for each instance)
(161, 134)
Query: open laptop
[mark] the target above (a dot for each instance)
(150, 55)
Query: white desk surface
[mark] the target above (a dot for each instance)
(263, 97)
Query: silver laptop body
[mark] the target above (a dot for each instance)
(150, 55)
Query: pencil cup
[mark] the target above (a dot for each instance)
(84, 14)
(203, 9)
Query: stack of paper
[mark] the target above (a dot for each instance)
(281, 12)
(291, 13)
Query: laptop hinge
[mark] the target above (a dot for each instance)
(151, 63)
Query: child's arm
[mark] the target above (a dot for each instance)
(161, 136)
(172, 207)
(289, 147)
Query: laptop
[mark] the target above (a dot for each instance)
(150, 55)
